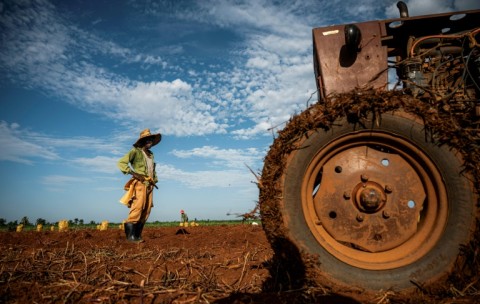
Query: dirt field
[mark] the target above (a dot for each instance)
(210, 264)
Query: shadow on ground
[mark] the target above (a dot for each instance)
(287, 283)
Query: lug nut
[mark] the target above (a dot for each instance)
(360, 217)
(385, 214)
(346, 195)
(388, 189)
(364, 177)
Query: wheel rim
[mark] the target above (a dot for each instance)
(374, 200)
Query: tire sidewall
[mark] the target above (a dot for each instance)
(438, 262)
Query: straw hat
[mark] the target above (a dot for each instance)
(156, 138)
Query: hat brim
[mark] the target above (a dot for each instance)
(156, 138)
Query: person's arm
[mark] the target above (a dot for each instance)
(123, 163)
(155, 178)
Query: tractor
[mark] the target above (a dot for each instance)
(375, 186)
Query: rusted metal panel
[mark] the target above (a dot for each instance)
(339, 70)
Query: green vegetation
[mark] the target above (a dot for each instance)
(80, 224)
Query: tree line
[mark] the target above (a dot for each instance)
(25, 221)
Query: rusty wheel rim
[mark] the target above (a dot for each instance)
(374, 201)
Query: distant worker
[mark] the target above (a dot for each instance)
(140, 163)
(183, 218)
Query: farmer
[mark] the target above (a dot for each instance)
(183, 218)
(139, 162)
(183, 223)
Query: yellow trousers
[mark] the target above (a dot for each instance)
(142, 203)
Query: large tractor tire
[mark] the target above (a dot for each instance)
(377, 203)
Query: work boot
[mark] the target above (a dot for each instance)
(138, 231)
(130, 229)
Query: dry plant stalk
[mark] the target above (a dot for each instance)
(70, 275)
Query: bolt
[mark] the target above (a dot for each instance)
(318, 222)
(364, 177)
(346, 195)
(386, 215)
(388, 189)
(360, 217)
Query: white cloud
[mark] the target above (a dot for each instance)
(230, 158)
(60, 183)
(60, 62)
(169, 106)
(261, 128)
(203, 179)
(40, 52)
(271, 76)
(427, 7)
(18, 149)
(250, 15)
(99, 145)
(24, 146)
(62, 180)
(102, 164)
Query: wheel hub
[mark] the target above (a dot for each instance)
(369, 199)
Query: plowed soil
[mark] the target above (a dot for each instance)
(204, 264)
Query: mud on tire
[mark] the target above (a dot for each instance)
(304, 202)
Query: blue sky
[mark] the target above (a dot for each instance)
(81, 79)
